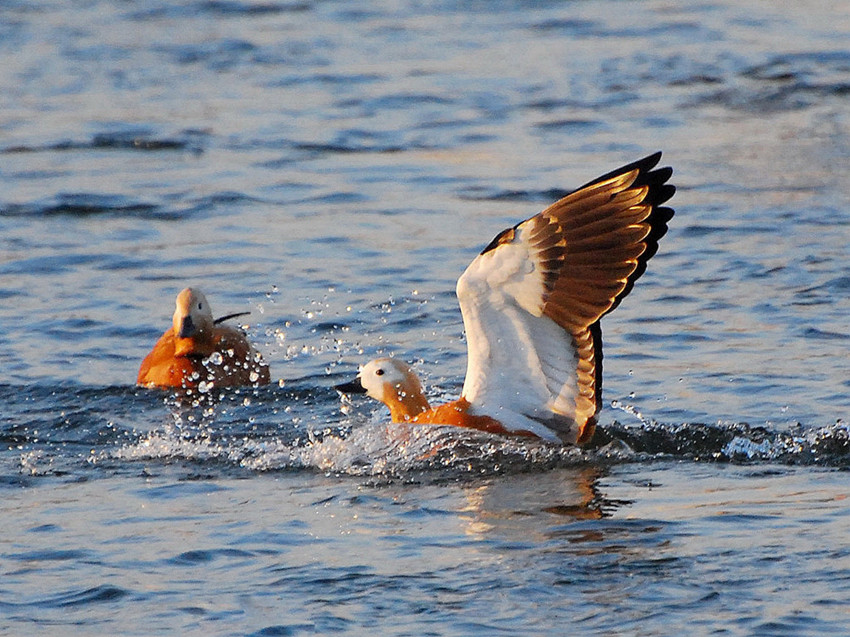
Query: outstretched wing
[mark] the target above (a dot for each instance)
(532, 300)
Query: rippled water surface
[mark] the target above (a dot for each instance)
(332, 168)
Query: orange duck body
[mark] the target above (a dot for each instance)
(195, 349)
(456, 413)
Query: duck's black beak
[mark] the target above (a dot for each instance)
(351, 387)
(187, 328)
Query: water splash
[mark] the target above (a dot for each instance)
(392, 450)
(266, 430)
(738, 442)
(409, 452)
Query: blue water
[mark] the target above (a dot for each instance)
(332, 167)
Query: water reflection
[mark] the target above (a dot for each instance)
(505, 504)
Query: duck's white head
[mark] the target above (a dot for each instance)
(193, 322)
(392, 382)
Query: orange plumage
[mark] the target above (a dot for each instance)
(196, 349)
(395, 384)
(456, 413)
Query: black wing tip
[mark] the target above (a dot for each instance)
(645, 169)
(663, 193)
(596, 334)
(659, 192)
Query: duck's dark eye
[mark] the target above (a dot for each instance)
(379, 372)
(200, 306)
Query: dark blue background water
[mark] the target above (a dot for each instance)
(332, 168)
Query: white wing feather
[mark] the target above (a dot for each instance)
(532, 301)
(521, 367)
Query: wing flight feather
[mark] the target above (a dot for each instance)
(532, 300)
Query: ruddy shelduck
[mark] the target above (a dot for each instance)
(197, 348)
(531, 304)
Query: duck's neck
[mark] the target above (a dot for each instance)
(200, 346)
(405, 405)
